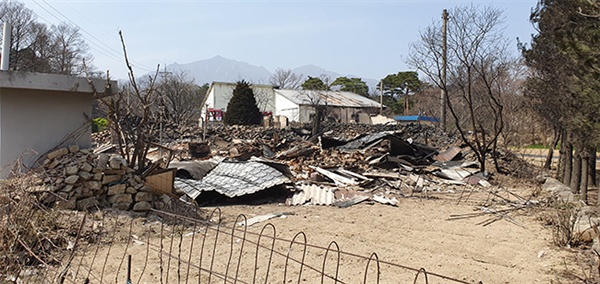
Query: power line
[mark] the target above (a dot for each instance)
(106, 53)
(112, 35)
(109, 51)
(114, 51)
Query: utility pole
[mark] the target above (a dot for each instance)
(381, 97)
(444, 93)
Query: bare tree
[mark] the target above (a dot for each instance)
(70, 50)
(180, 98)
(286, 79)
(134, 116)
(37, 48)
(21, 20)
(478, 62)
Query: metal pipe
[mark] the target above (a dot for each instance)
(5, 46)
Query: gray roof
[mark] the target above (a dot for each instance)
(234, 179)
(333, 98)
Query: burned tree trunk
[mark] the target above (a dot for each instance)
(583, 185)
(576, 172)
(567, 161)
(592, 167)
(316, 124)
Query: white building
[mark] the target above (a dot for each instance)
(219, 94)
(343, 107)
(297, 105)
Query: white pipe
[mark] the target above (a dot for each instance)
(5, 46)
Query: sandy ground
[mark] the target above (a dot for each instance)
(415, 234)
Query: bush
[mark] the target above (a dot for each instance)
(242, 109)
(99, 124)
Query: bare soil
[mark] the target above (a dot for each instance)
(415, 234)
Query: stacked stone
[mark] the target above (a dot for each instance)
(84, 180)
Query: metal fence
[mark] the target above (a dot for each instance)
(187, 245)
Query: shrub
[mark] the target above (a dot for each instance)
(99, 124)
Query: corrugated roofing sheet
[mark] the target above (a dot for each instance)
(235, 179)
(332, 98)
(313, 194)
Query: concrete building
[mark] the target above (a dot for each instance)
(342, 107)
(41, 111)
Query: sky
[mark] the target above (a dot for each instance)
(369, 39)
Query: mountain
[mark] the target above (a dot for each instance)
(315, 71)
(222, 69)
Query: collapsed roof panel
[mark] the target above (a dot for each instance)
(234, 179)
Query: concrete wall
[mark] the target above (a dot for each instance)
(38, 111)
(37, 120)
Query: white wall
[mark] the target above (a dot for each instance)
(39, 120)
(220, 94)
(287, 108)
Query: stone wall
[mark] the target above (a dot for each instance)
(83, 180)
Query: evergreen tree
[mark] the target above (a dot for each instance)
(314, 83)
(242, 109)
(564, 85)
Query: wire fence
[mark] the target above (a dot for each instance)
(184, 244)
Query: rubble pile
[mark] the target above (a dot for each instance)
(82, 180)
(343, 165)
(101, 137)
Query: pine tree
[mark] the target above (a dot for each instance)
(242, 109)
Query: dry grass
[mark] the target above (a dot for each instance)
(30, 234)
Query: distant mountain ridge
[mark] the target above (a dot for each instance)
(222, 69)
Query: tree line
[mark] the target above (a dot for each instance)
(563, 86)
(395, 87)
(37, 47)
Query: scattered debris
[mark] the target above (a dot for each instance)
(262, 218)
(342, 166)
(384, 200)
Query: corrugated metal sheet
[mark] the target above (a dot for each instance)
(190, 187)
(447, 155)
(313, 194)
(332, 98)
(235, 179)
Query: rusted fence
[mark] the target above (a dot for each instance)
(190, 246)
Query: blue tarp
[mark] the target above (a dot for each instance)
(415, 118)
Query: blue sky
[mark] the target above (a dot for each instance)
(364, 38)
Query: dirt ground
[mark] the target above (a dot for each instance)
(415, 234)
(418, 234)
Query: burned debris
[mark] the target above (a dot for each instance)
(342, 166)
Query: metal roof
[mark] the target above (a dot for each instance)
(234, 179)
(415, 118)
(332, 98)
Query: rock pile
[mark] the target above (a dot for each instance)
(82, 180)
